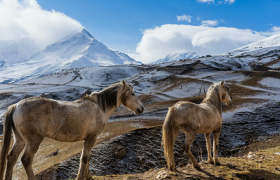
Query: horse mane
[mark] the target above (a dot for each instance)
(107, 98)
(213, 96)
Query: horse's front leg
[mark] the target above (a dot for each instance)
(216, 135)
(83, 173)
(208, 145)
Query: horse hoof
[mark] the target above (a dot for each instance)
(217, 163)
(210, 161)
(197, 167)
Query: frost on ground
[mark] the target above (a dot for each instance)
(270, 82)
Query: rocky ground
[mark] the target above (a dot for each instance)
(131, 157)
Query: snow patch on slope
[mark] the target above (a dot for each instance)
(177, 56)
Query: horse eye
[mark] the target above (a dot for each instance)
(132, 94)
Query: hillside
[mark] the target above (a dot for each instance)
(255, 107)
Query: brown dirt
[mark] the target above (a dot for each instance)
(264, 164)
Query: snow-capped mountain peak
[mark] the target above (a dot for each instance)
(177, 56)
(79, 49)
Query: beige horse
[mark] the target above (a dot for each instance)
(193, 119)
(33, 119)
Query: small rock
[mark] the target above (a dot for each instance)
(250, 155)
(163, 175)
(120, 152)
(263, 138)
(53, 153)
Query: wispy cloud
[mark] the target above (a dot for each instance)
(209, 23)
(184, 17)
(230, 1)
(206, 1)
(21, 19)
(169, 38)
(213, 1)
(275, 29)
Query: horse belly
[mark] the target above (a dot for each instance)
(73, 130)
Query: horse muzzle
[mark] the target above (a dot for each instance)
(229, 103)
(139, 110)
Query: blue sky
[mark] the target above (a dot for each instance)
(119, 23)
(149, 29)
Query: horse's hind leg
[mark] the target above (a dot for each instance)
(14, 153)
(84, 162)
(190, 136)
(31, 148)
(208, 145)
(216, 135)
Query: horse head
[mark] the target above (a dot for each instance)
(130, 100)
(224, 90)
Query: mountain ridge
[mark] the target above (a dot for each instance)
(79, 49)
(176, 57)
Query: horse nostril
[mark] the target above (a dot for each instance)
(142, 109)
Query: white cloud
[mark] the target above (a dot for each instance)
(21, 19)
(213, 1)
(206, 1)
(230, 1)
(209, 23)
(275, 29)
(169, 38)
(187, 18)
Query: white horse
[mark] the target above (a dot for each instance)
(193, 119)
(32, 119)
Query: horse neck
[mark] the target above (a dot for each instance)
(109, 110)
(214, 98)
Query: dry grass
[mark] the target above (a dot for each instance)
(264, 164)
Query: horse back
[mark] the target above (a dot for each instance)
(201, 118)
(60, 120)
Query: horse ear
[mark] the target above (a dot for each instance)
(222, 83)
(124, 83)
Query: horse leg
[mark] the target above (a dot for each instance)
(208, 145)
(13, 155)
(190, 136)
(31, 148)
(84, 162)
(216, 135)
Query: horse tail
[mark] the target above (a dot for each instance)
(7, 134)
(169, 135)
